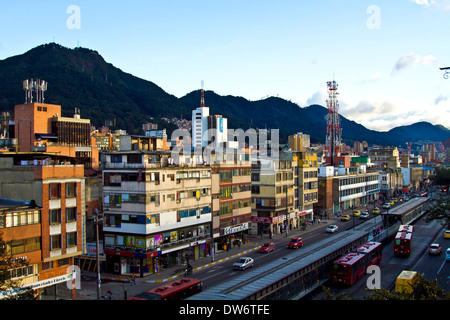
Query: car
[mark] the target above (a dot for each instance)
(267, 247)
(295, 243)
(364, 215)
(391, 202)
(345, 218)
(435, 249)
(243, 263)
(332, 228)
(376, 210)
(356, 213)
(447, 254)
(447, 234)
(394, 200)
(386, 205)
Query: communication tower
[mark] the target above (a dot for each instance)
(202, 97)
(333, 140)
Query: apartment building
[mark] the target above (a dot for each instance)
(306, 185)
(20, 227)
(231, 198)
(272, 196)
(57, 187)
(156, 214)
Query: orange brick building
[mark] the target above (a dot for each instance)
(58, 189)
(40, 127)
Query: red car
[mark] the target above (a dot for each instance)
(267, 247)
(295, 243)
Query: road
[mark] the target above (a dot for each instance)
(391, 265)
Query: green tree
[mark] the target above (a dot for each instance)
(8, 263)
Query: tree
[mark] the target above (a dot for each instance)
(8, 263)
(422, 289)
(440, 210)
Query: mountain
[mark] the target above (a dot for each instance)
(81, 78)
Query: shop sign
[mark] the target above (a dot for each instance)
(237, 228)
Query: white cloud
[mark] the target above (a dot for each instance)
(411, 60)
(437, 4)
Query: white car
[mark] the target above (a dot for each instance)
(364, 215)
(332, 228)
(243, 263)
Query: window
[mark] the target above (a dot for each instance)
(71, 214)
(55, 216)
(54, 191)
(71, 239)
(71, 190)
(55, 242)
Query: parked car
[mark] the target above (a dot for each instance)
(243, 263)
(356, 213)
(364, 215)
(345, 218)
(386, 205)
(267, 247)
(295, 243)
(376, 210)
(435, 249)
(447, 254)
(332, 228)
(447, 234)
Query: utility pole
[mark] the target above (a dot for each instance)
(99, 290)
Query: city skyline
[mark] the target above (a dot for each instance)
(384, 56)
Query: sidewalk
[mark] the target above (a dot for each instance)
(122, 283)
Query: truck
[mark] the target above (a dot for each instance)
(405, 280)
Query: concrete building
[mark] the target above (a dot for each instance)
(156, 214)
(231, 198)
(272, 195)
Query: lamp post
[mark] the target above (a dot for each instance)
(97, 221)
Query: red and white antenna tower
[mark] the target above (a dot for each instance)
(333, 140)
(202, 99)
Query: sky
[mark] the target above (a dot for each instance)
(384, 55)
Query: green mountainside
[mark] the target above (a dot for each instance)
(81, 78)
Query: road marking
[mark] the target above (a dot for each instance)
(441, 267)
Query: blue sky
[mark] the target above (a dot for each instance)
(384, 55)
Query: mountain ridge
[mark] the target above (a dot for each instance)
(81, 78)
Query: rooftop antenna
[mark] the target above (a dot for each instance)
(38, 87)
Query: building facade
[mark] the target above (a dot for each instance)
(156, 214)
(58, 189)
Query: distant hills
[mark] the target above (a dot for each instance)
(81, 78)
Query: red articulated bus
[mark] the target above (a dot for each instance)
(350, 268)
(403, 241)
(175, 290)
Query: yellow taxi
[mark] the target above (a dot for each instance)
(447, 234)
(391, 202)
(345, 218)
(356, 213)
(376, 210)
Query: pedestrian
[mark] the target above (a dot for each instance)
(133, 279)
